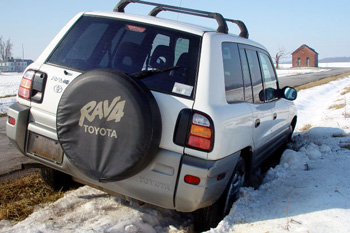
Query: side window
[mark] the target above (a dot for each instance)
(160, 40)
(255, 75)
(246, 77)
(181, 47)
(269, 77)
(232, 72)
(162, 55)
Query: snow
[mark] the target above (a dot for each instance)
(309, 191)
(9, 87)
(321, 65)
(296, 71)
(334, 64)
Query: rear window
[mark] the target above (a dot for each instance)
(96, 42)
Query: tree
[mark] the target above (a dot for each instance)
(5, 49)
(281, 53)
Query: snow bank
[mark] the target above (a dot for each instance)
(309, 191)
(89, 210)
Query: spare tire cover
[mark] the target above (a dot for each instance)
(108, 124)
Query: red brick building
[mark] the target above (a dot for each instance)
(305, 56)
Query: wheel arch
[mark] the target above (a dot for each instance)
(294, 122)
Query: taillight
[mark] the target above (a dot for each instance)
(201, 135)
(11, 120)
(32, 86)
(194, 129)
(192, 179)
(25, 87)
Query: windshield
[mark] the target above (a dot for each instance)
(96, 42)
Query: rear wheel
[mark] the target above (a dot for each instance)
(210, 216)
(56, 180)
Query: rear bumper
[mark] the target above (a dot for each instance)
(17, 133)
(190, 197)
(161, 183)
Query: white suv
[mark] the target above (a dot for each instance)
(168, 113)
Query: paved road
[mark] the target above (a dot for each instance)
(10, 158)
(297, 80)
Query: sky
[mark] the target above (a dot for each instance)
(322, 25)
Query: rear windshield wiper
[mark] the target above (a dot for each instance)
(147, 73)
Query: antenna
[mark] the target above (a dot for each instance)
(177, 18)
(22, 52)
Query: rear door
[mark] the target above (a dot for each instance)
(164, 59)
(131, 47)
(261, 110)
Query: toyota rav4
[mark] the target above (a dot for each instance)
(168, 113)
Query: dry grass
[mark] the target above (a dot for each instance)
(6, 96)
(345, 91)
(321, 82)
(19, 197)
(306, 127)
(337, 106)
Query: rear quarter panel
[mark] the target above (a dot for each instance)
(232, 122)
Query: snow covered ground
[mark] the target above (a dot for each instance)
(321, 65)
(308, 192)
(296, 71)
(9, 83)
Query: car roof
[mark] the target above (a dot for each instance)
(177, 25)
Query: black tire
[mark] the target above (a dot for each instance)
(108, 124)
(209, 217)
(56, 180)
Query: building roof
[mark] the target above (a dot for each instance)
(302, 47)
(19, 60)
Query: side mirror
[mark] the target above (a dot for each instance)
(289, 93)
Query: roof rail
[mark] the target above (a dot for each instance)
(222, 26)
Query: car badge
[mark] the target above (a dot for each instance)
(58, 89)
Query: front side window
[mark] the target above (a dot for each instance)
(132, 47)
(269, 77)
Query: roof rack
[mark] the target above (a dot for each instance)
(222, 26)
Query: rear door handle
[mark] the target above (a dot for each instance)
(257, 123)
(274, 116)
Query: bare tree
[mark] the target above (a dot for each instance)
(5, 49)
(281, 53)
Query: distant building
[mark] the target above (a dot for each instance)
(305, 56)
(14, 65)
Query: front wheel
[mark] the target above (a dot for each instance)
(210, 216)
